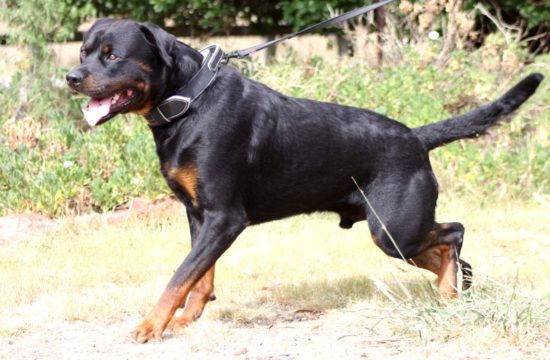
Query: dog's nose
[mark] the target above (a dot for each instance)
(74, 78)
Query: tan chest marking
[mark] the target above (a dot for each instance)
(186, 177)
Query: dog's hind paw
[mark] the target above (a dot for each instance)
(467, 274)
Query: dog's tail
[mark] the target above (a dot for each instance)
(476, 122)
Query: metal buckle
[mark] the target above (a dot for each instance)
(170, 104)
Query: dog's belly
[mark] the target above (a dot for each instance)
(263, 210)
(303, 185)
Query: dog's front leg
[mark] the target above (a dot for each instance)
(203, 291)
(218, 231)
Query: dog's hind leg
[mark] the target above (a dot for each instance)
(442, 257)
(401, 212)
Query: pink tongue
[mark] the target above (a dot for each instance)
(97, 109)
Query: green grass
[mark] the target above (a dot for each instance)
(303, 265)
(51, 162)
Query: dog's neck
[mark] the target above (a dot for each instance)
(189, 80)
(187, 61)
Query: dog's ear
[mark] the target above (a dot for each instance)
(161, 41)
(99, 24)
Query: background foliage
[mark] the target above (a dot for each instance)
(217, 16)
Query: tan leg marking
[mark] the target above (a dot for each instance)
(155, 322)
(441, 260)
(447, 277)
(198, 297)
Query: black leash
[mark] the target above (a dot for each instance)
(323, 24)
(175, 107)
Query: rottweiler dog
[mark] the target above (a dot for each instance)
(245, 154)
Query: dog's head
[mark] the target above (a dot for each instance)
(126, 66)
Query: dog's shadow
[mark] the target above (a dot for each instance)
(310, 300)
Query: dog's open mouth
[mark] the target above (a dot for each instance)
(100, 110)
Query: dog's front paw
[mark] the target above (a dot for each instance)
(146, 331)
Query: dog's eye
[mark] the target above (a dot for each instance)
(112, 57)
(82, 54)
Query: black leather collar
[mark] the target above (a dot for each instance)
(176, 106)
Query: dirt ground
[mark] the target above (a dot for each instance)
(335, 335)
(286, 340)
(332, 336)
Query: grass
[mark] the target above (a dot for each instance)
(299, 267)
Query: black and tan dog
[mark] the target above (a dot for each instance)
(245, 154)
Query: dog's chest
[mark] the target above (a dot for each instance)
(185, 177)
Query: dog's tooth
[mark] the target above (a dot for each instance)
(129, 92)
(115, 98)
